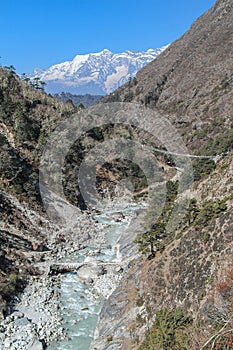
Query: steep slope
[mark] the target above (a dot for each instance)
(189, 280)
(26, 118)
(181, 297)
(192, 79)
(95, 73)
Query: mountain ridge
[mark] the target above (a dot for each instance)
(95, 73)
(85, 100)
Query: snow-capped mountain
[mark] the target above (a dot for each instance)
(95, 73)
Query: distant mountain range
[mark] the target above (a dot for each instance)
(86, 100)
(95, 73)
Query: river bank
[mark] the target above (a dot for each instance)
(38, 320)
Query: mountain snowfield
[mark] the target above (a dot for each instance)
(95, 73)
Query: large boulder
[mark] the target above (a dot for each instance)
(91, 270)
(35, 344)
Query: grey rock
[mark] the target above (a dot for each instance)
(198, 125)
(84, 307)
(35, 344)
(101, 271)
(8, 319)
(119, 269)
(117, 216)
(7, 343)
(22, 322)
(89, 280)
(17, 314)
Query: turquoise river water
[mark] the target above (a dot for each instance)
(78, 309)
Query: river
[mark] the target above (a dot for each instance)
(79, 306)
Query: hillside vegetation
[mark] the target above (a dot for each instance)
(181, 288)
(27, 116)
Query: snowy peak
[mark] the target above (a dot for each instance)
(95, 73)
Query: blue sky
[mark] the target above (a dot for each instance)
(39, 33)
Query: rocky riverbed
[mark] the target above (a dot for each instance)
(37, 320)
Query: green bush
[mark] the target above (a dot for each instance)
(26, 128)
(3, 140)
(10, 288)
(219, 145)
(13, 279)
(155, 237)
(169, 331)
(202, 167)
(209, 210)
